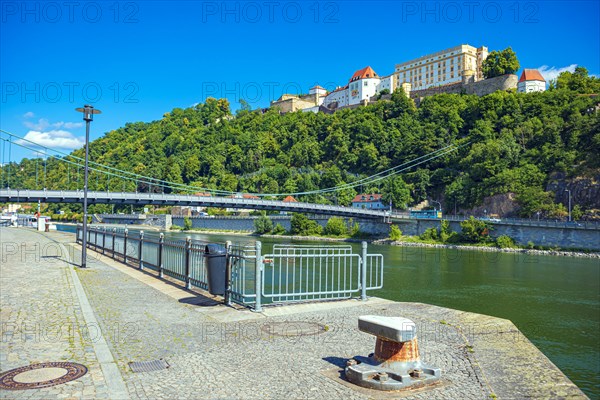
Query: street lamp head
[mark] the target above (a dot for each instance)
(88, 112)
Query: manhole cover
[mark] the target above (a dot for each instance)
(294, 328)
(36, 376)
(148, 366)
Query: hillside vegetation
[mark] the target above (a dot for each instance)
(512, 142)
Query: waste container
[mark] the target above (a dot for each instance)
(216, 268)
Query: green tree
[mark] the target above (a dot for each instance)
(500, 63)
(475, 231)
(187, 224)
(263, 224)
(395, 233)
(278, 230)
(576, 213)
(303, 226)
(396, 191)
(336, 226)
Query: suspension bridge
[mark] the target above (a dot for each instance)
(95, 197)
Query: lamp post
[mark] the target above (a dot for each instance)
(567, 190)
(88, 116)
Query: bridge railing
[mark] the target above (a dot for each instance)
(290, 273)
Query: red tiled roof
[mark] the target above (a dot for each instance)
(290, 199)
(202, 194)
(531, 75)
(366, 72)
(366, 198)
(317, 87)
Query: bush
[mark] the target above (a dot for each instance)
(505, 242)
(336, 226)
(445, 231)
(354, 227)
(530, 245)
(475, 231)
(187, 224)
(301, 225)
(278, 230)
(395, 233)
(263, 224)
(429, 234)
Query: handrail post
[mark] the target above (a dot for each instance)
(141, 264)
(161, 243)
(125, 246)
(258, 277)
(363, 273)
(188, 250)
(114, 235)
(228, 274)
(103, 240)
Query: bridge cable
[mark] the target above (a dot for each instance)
(370, 179)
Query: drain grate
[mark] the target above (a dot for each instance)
(148, 366)
(36, 376)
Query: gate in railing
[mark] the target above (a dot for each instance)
(290, 273)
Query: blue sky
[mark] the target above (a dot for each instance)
(136, 60)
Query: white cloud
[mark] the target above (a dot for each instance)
(42, 124)
(72, 125)
(551, 73)
(53, 139)
(29, 114)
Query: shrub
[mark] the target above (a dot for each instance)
(263, 224)
(530, 245)
(475, 231)
(445, 231)
(395, 233)
(429, 234)
(187, 224)
(278, 230)
(505, 242)
(336, 226)
(301, 225)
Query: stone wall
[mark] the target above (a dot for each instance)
(550, 236)
(480, 88)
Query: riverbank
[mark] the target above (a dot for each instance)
(386, 241)
(489, 249)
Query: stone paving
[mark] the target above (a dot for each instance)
(216, 352)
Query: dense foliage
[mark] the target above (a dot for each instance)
(511, 142)
(500, 63)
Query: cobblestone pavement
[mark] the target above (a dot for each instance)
(261, 356)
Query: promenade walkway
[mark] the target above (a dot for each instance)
(110, 315)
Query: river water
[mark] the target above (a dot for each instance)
(554, 301)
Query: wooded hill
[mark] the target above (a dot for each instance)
(512, 142)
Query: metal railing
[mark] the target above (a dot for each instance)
(290, 273)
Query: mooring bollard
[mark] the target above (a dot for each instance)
(396, 363)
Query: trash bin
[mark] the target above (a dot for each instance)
(216, 268)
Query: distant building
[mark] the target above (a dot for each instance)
(293, 102)
(531, 81)
(290, 199)
(460, 64)
(363, 86)
(369, 201)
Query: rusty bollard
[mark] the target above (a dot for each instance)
(396, 363)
